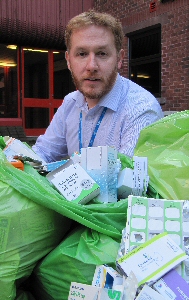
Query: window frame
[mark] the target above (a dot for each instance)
(134, 62)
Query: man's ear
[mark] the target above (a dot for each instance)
(121, 56)
(67, 59)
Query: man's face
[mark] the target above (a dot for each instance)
(93, 61)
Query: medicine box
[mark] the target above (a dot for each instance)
(49, 167)
(172, 286)
(151, 260)
(133, 181)
(126, 183)
(80, 291)
(52, 174)
(148, 293)
(75, 184)
(101, 164)
(106, 277)
(16, 147)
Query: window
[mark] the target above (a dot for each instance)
(63, 83)
(145, 59)
(8, 82)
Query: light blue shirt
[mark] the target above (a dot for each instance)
(130, 109)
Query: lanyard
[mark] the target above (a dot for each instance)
(94, 131)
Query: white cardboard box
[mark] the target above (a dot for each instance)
(152, 259)
(51, 175)
(101, 164)
(133, 181)
(75, 184)
(126, 183)
(172, 286)
(106, 277)
(148, 293)
(80, 291)
(16, 147)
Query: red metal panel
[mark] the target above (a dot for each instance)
(10, 122)
(33, 102)
(66, 12)
(38, 22)
(19, 83)
(88, 4)
(76, 7)
(22, 84)
(33, 132)
(2, 9)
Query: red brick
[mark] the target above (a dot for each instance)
(173, 17)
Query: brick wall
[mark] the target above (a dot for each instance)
(174, 19)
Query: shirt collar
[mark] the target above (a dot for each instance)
(110, 100)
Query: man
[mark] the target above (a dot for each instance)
(105, 109)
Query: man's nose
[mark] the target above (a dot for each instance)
(92, 63)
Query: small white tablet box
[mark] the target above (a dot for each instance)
(79, 291)
(102, 165)
(107, 277)
(75, 184)
(133, 181)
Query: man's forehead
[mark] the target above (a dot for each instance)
(86, 36)
(91, 26)
(81, 46)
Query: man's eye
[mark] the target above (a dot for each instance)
(102, 54)
(82, 54)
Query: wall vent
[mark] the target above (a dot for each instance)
(153, 6)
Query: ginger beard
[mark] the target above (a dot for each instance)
(91, 90)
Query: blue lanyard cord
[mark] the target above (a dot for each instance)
(94, 132)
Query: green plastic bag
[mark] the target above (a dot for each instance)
(75, 259)
(2, 142)
(107, 218)
(28, 232)
(126, 162)
(24, 295)
(166, 144)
